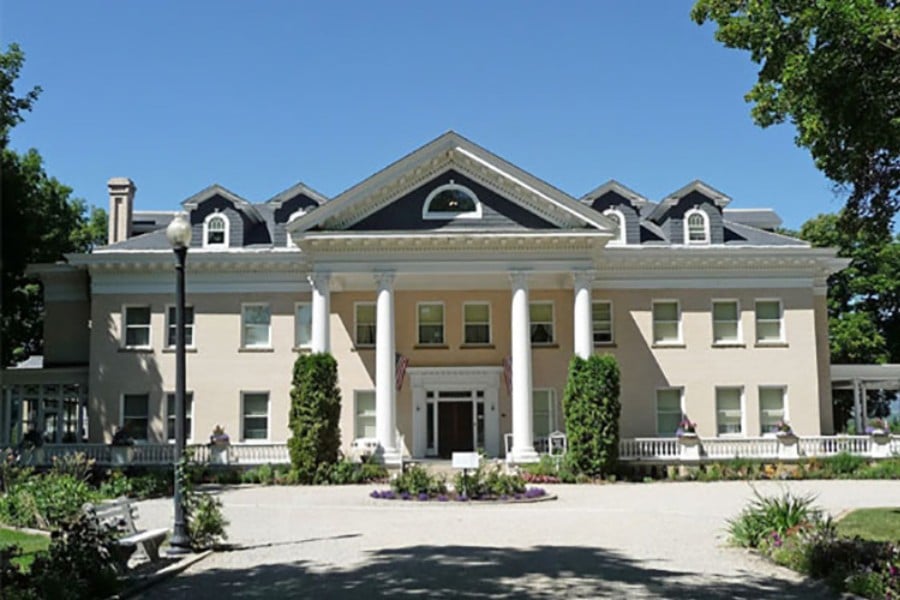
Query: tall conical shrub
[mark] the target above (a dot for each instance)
(591, 406)
(314, 417)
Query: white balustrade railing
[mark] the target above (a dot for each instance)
(727, 448)
(829, 445)
(649, 449)
(259, 454)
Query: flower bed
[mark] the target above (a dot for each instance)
(530, 494)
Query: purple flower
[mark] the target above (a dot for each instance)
(423, 496)
(776, 539)
(405, 496)
(375, 494)
(388, 495)
(462, 498)
(442, 498)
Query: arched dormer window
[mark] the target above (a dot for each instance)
(614, 214)
(215, 231)
(696, 227)
(294, 215)
(451, 201)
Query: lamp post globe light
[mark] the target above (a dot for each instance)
(179, 235)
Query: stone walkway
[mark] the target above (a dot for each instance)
(657, 540)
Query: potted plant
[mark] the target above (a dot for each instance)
(32, 447)
(219, 444)
(782, 429)
(877, 427)
(787, 440)
(122, 447)
(687, 430)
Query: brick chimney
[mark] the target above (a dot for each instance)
(121, 205)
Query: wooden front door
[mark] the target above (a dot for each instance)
(454, 428)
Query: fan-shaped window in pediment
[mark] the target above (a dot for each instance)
(615, 215)
(451, 201)
(215, 232)
(696, 227)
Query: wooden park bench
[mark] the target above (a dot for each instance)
(119, 516)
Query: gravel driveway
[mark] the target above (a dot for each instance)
(649, 540)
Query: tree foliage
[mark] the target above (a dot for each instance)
(314, 418)
(832, 68)
(592, 409)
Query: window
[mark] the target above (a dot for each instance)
(696, 227)
(364, 425)
(215, 231)
(255, 418)
(668, 411)
(476, 323)
(137, 326)
(726, 322)
(172, 327)
(431, 323)
(451, 201)
(188, 416)
(365, 323)
(729, 411)
(544, 413)
(616, 216)
(541, 316)
(256, 322)
(666, 322)
(771, 408)
(602, 319)
(768, 322)
(135, 415)
(302, 324)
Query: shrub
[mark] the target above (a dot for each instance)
(203, 516)
(591, 405)
(45, 501)
(416, 480)
(77, 465)
(842, 465)
(488, 482)
(315, 412)
(115, 485)
(767, 514)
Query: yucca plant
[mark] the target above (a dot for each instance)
(768, 514)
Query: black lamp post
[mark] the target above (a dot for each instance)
(179, 234)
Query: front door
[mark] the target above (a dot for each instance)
(455, 432)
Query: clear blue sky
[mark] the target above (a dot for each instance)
(259, 95)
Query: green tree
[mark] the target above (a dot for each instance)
(592, 409)
(314, 417)
(40, 222)
(832, 68)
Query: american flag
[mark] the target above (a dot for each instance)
(401, 362)
(507, 373)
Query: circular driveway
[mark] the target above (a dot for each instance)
(646, 540)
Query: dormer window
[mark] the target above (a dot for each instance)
(451, 201)
(215, 231)
(615, 215)
(696, 227)
(295, 215)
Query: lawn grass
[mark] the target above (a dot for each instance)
(30, 544)
(877, 524)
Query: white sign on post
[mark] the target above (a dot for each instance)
(466, 460)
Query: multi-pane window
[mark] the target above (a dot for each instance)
(216, 231)
(666, 322)
(302, 324)
(726, 319)
(364, 423)
(541, 315)
(771, 408)
(544, 413)
(365, 324)
(476, 323)
(256, 322)
(255, 417)
(172, 327)
(618, 218)
(768, 321)
(171, 415)
(668, 411)
(729, 413)
(135, 415)
(137, 326)
(697, 226)
(431, 323)
(601, 313)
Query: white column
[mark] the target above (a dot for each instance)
(321, 312)
(522, 417)
(584, 322)
(385, 370)
(857, 407)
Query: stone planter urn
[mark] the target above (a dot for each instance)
(788, 446)
(219, 454)
(881, 444)
(121, 455)
(33, 457)
(689, 445)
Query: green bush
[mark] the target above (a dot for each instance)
(203, 516)
(766, 515)
(416, 480)
(315, 412)
(487, 482)
(45, 501)
(842, 465)
(592, 408)
(115, 485)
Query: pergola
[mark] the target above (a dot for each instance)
(861, 379)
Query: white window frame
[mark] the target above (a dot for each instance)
(244, 306)
(443, 341)
(612, 328)
(189, 435)
(170, 324)
(781, 325)
(554, 424)
(268, 437)
(712, 315)
(784, 406)
(552, 322)
(227, 238)
(687, 227)
(742, 406)
(357, 434)
(126, 326)
(444, 216)
(620, 233)
(122, 415)
(679, 340)
(294, 215)
(356, 341)
(680, 390)
(490, 339)
(297, 305)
